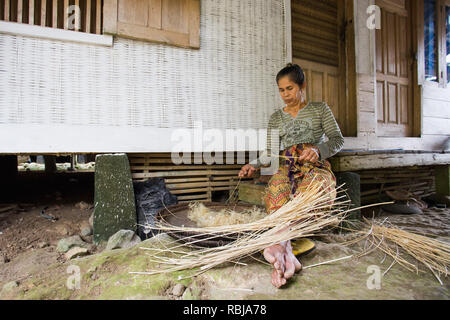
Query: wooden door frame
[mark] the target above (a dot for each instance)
(418, 76)
(348, 103)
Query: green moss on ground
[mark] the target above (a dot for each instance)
(107, 276)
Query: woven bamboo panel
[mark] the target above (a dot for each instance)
(229, 83)
(420, 181)
(188, 181)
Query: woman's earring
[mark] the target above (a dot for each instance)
(303, 96)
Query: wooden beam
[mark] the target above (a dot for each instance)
(379, 161)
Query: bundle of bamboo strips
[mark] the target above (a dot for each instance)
(305, 215)
(433, 254)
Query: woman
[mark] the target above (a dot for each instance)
(302, 128)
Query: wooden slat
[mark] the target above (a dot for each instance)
(43, 12)
(182, 173)
(31, 12)
(6, 12)
(65, 17)
(77, 15)
(181, 199)
(55, 14)
(98, 17)
(19, 11)
(185, 191)
(172, 181)
(189, 167)
(87, 27)
(201, 184)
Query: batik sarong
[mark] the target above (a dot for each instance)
(294, 177)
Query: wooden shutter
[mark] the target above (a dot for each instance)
(174, 22)
(315, 31)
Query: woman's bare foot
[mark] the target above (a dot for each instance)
(275, 256)
(284, 262)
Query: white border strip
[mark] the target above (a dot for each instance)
(27, 30)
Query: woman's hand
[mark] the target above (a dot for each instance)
(310, 153)
(247, 171)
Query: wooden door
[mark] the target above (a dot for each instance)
(394, 66)
(322, 85)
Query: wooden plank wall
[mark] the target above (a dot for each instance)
(436, 112)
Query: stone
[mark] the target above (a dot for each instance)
(62, 230)
(114, 205)
(42, 244)
(91, 220)
(86, 231)
(398, 208)
(10, 286)
(82, 205)
(178, 290)
(123, 239)
(75, 253)
(66, 244)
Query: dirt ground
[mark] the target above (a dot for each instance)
(28, 255)
(27, 239)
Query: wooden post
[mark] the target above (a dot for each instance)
(442, 174)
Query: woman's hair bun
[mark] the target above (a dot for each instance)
(294, 72)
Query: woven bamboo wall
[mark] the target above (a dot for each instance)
(68, 97)
(189, 182)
